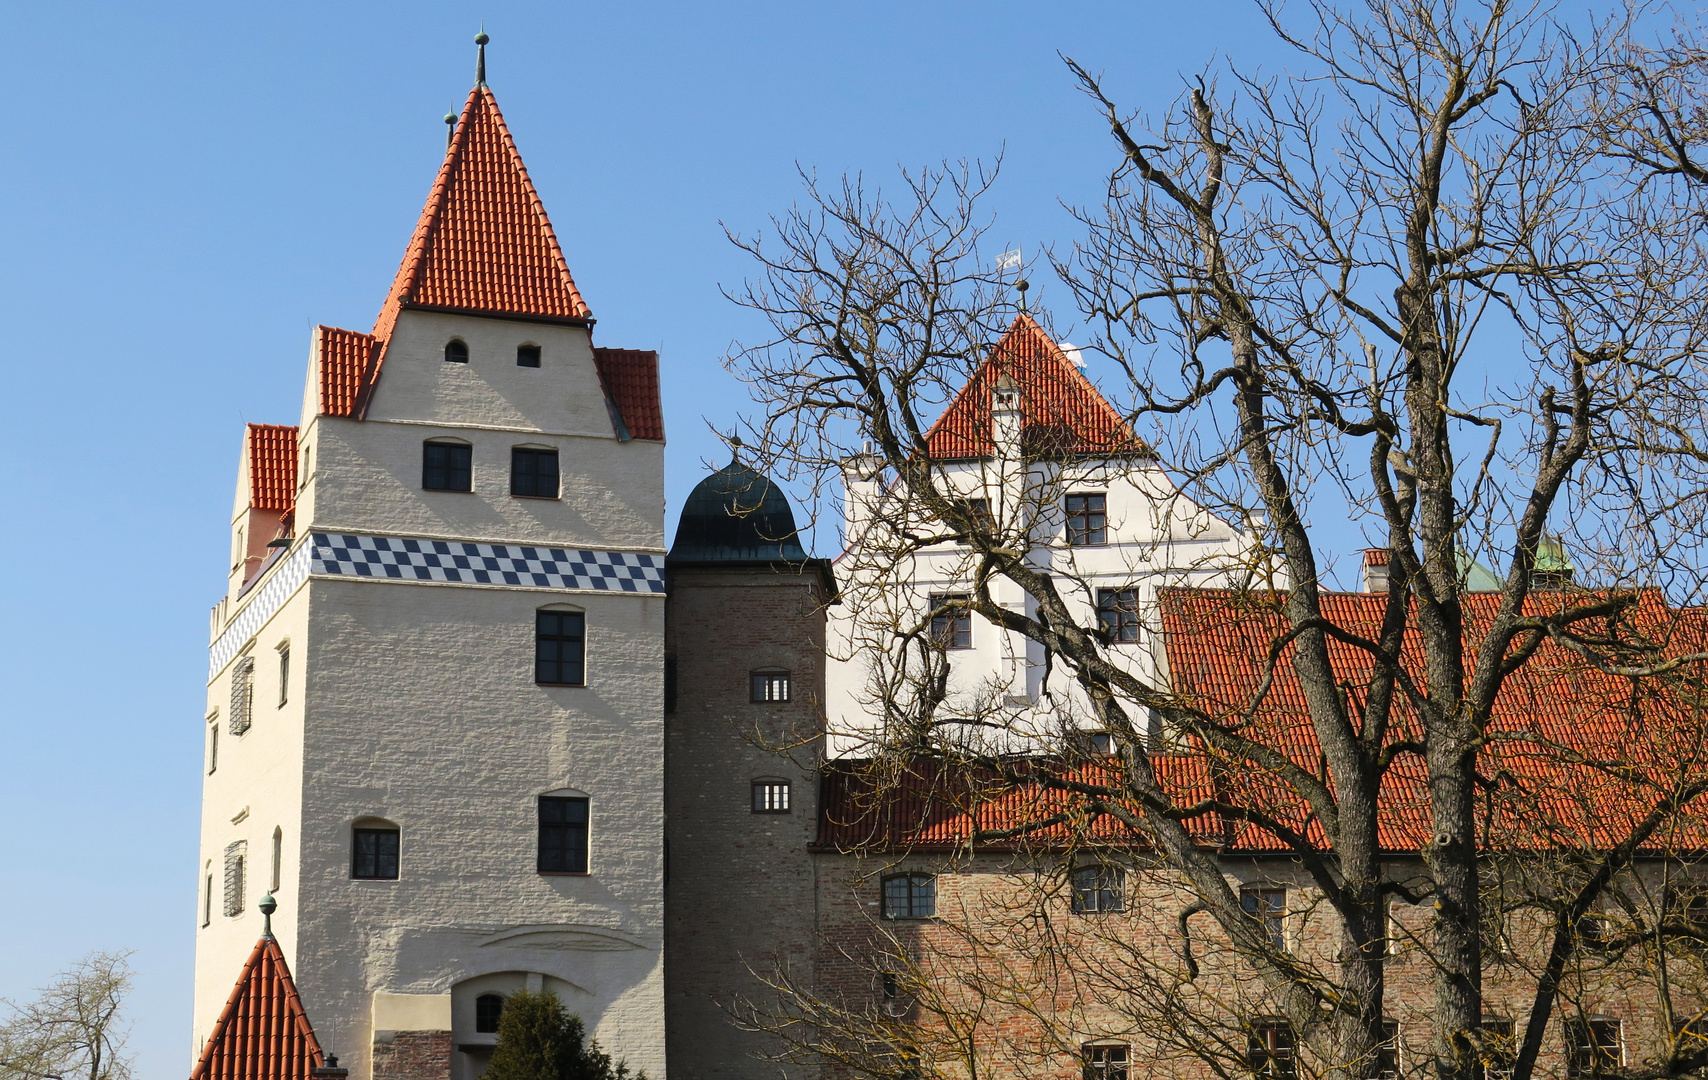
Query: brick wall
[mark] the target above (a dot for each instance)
(739, 889)
(412, 1055)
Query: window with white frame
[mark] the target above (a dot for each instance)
(770, 796)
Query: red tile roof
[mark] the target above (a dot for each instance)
(263, 1032)
(630, 379)
(347, 369)
(1548, 712)
(484, 244)
(1062, 413)
(272, 466)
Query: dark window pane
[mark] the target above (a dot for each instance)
(1268, 906)
(456, 352)
(1118, 613)
(1099, 889)
(910, 896)
(373, 854)
(527, 356)
(447, 466)
(533, 473)
(488, 1011)
(769, 686)
(558, 644)
(951, 628)
(1269, 1050)
(1087, 520)
(770, 796)
(563, 835)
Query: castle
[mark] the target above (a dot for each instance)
(471, 729)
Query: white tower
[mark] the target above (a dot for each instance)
(435, 690)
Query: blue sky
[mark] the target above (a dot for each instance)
(189, 188)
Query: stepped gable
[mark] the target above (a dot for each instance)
(630, 380)
(1063, 415)
(272, 466)
(263, 1032)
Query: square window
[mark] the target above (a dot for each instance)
(1270, 1050)
(527, 356)
(447, 466)
(1118, 613)
(1268, 906)
(1098, 890)
(373, 854)
(983, 520)
(533, 473)
(770, 796)
(770, 686)
(1593, 1048)
(910, 896)
(952, 625)
(563, 835)
(559, 644)
(1105, 1061)
(1087, 520)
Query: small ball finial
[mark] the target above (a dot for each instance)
(268, 905)
(450, 118)
(481, 38)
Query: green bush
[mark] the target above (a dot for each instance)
(537, 1040)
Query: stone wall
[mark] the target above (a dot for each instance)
(412, 1055)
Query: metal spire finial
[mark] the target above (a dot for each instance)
(480, 39)
(450, 128)
(268, 905)
(1022, 285)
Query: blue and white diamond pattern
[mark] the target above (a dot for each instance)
(407, 559)
(455, 562)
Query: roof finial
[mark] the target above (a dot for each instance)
(268, 905)
(480, 39)
(450, 128)
(734, 449)
(1022, 285)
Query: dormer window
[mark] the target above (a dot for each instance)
(456, 351)
(527, 356)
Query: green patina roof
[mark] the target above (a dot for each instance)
(737, 515)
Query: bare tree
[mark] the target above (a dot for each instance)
(1437, 285)
(74, 1028)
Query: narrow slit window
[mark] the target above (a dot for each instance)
(284, 674)
(236, 854)
(213, 748)
(207, 899)
(242, 695)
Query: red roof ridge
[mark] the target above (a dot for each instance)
(1063, 412)
(263, 1032)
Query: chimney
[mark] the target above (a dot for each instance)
(1376, 570)
(861, 487)
(329, 1071)
(1006, 419)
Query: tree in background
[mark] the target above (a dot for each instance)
(75, 1029)
(538, 1040)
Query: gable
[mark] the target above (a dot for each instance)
(263, 1032)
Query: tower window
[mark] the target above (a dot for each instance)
(533, 473)
(236, 854)
(373, 854)
(213, 747)
(770, 686)
(456, 351)
(1118, 613)
(207, 897)
(488, 1011)
(1087, 520)
(527, 356)
(770, 796)
(559, 648)
(242, 694)
(910, 896)
(284, 673)
(447, 466)
(1099, 889)
(1105, 1061)
(952, 625)
(563, 835)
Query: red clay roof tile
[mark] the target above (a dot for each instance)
(630, 379)
(263, 1032)
(346, 369)
(1062, 413)
(272, 466)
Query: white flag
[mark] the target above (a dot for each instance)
(1008, 260)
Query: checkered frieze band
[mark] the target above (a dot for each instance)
(406, 559)
(454, 562)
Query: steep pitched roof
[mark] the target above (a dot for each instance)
(272, 466)
(263, 1032)
(347, 369)
(1062, 413)
(630, 379)
(484, 244)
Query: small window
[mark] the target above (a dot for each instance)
(1388, 1053)
(559, 648)
(456, 351)
(527, 356)
(1105, 1061)
(1593, 1048)
(770, 796)
(952, 625)
(979, 511)
(533, 473)
(447, 466)
(910, 896)
(236, 854)
(1099, 889)
(1087, 521)
(1118, 614)
(242, 694)
(1270, 1050)
(1269, 907)
(284, 673)
(373, 854)
(213, 748)
(770, 686)
(1499, 1051)
(278, 856)
(207, 897)
(488, 1011)
(563, 835)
